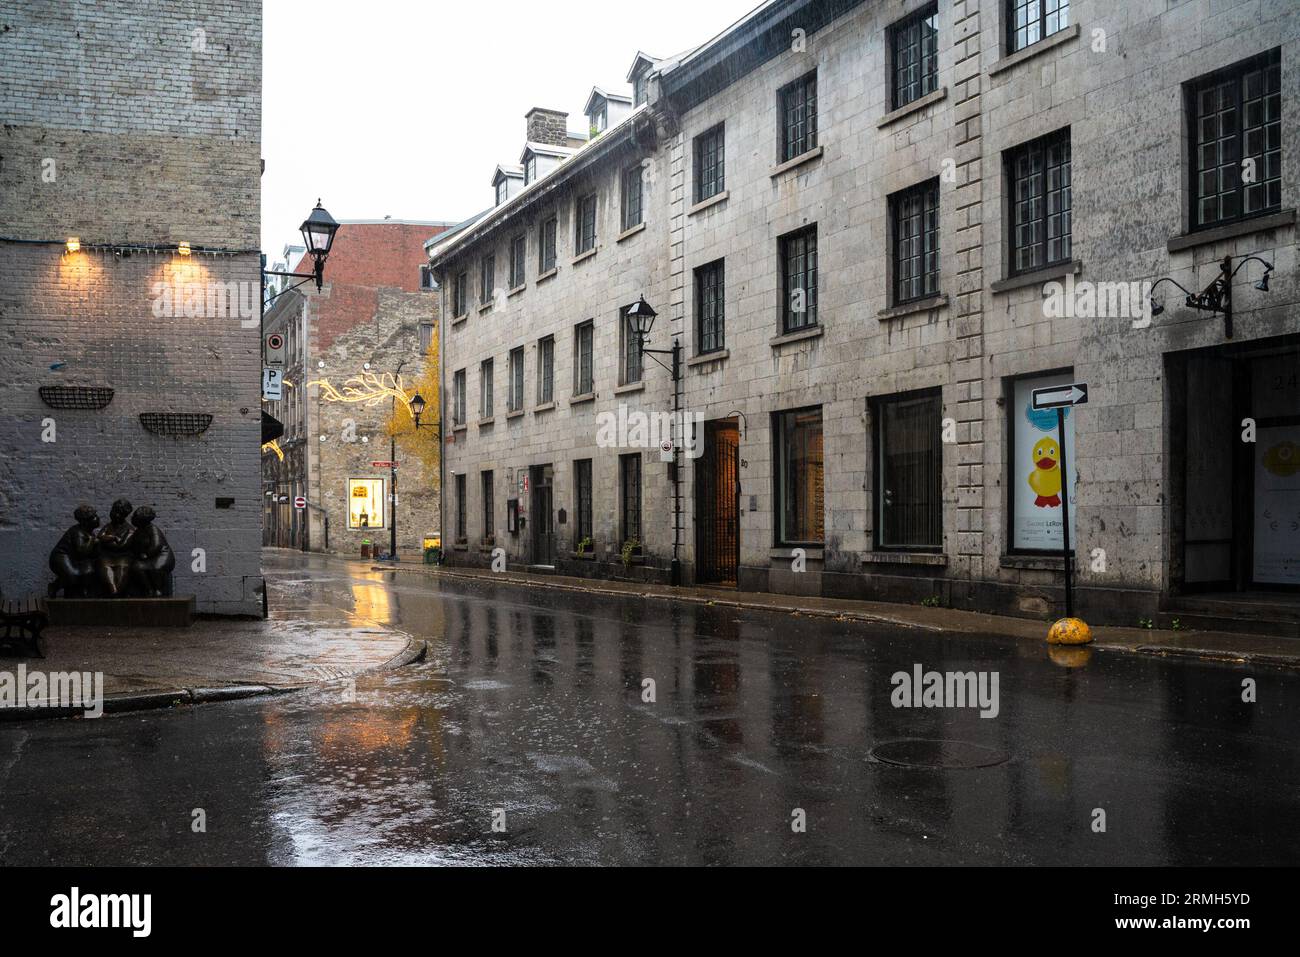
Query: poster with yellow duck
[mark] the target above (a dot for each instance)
(1037, 481)
(1277, 505)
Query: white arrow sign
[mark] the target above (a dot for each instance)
(1060, 395)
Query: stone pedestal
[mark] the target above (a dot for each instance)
(177, 612)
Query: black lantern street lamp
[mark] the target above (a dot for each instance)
(318, 231)
(1217, 296)
(642, 317)
(416, 405)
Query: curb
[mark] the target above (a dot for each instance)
(845, 615)
(129, 701)
(1217, 655)
(1199, 654)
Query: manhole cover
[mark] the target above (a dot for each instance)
(918, 753)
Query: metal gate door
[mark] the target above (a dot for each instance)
(542, 518)
(717, 504)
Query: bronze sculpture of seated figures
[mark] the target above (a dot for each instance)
(73, 559)
(115, 550)
(128, 556)
(151, 570)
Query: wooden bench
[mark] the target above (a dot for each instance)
(20, 628)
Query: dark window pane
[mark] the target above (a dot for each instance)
(630, 497)
(915, 52)
(461, 518)
(585, 341)
(1033, 20)
(546, 370)
(799, 279)
(709, 309)
(489, 525)
(632, 185)
(546, 246)
(799, 117)
(709, 164)
(1041, 203)
(487, 279)
(915, 216)
(582, 504)
(1236, 152)
(585, 231)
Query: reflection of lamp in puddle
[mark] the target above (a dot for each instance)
(371, 603)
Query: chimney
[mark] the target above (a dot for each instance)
(547, 126)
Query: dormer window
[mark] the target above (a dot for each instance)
(642, 67)
(530, 168)
(600, 119)
(503, 188)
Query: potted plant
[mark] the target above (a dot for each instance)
(586, 546)
(631, 549)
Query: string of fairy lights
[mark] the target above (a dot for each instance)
(73, 244)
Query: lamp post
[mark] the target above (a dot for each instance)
(318, 231)
(416, 405)
(1217, 296)
(642, 317)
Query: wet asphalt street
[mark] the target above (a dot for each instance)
(530, 711)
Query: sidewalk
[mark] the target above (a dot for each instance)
(1210, 645)
(212, 660)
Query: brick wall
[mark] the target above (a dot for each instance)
(131, 123)
(370, 312)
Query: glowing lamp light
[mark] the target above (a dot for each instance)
(318, 231)
(74, 244)
(642, 317)
(183, 248)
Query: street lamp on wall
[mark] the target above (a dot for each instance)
(1217, 296)
(416, 406)
(641, 316)
(318, 231)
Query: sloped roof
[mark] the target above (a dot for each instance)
(508, 171)
(637, 61)
(568, 167)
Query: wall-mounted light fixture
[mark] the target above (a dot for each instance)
(1217, 296)
(183, 248)
(318, 231)
(73, 244)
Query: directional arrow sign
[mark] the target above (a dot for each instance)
(1061, 395)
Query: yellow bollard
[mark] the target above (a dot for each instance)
(1069, 631)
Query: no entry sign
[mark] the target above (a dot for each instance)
(299, 502)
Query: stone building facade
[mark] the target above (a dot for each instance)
(375, 319)
(875, 228)
(131, 357)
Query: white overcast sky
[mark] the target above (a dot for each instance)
(404, 108)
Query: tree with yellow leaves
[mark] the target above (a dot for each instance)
(424, 442)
